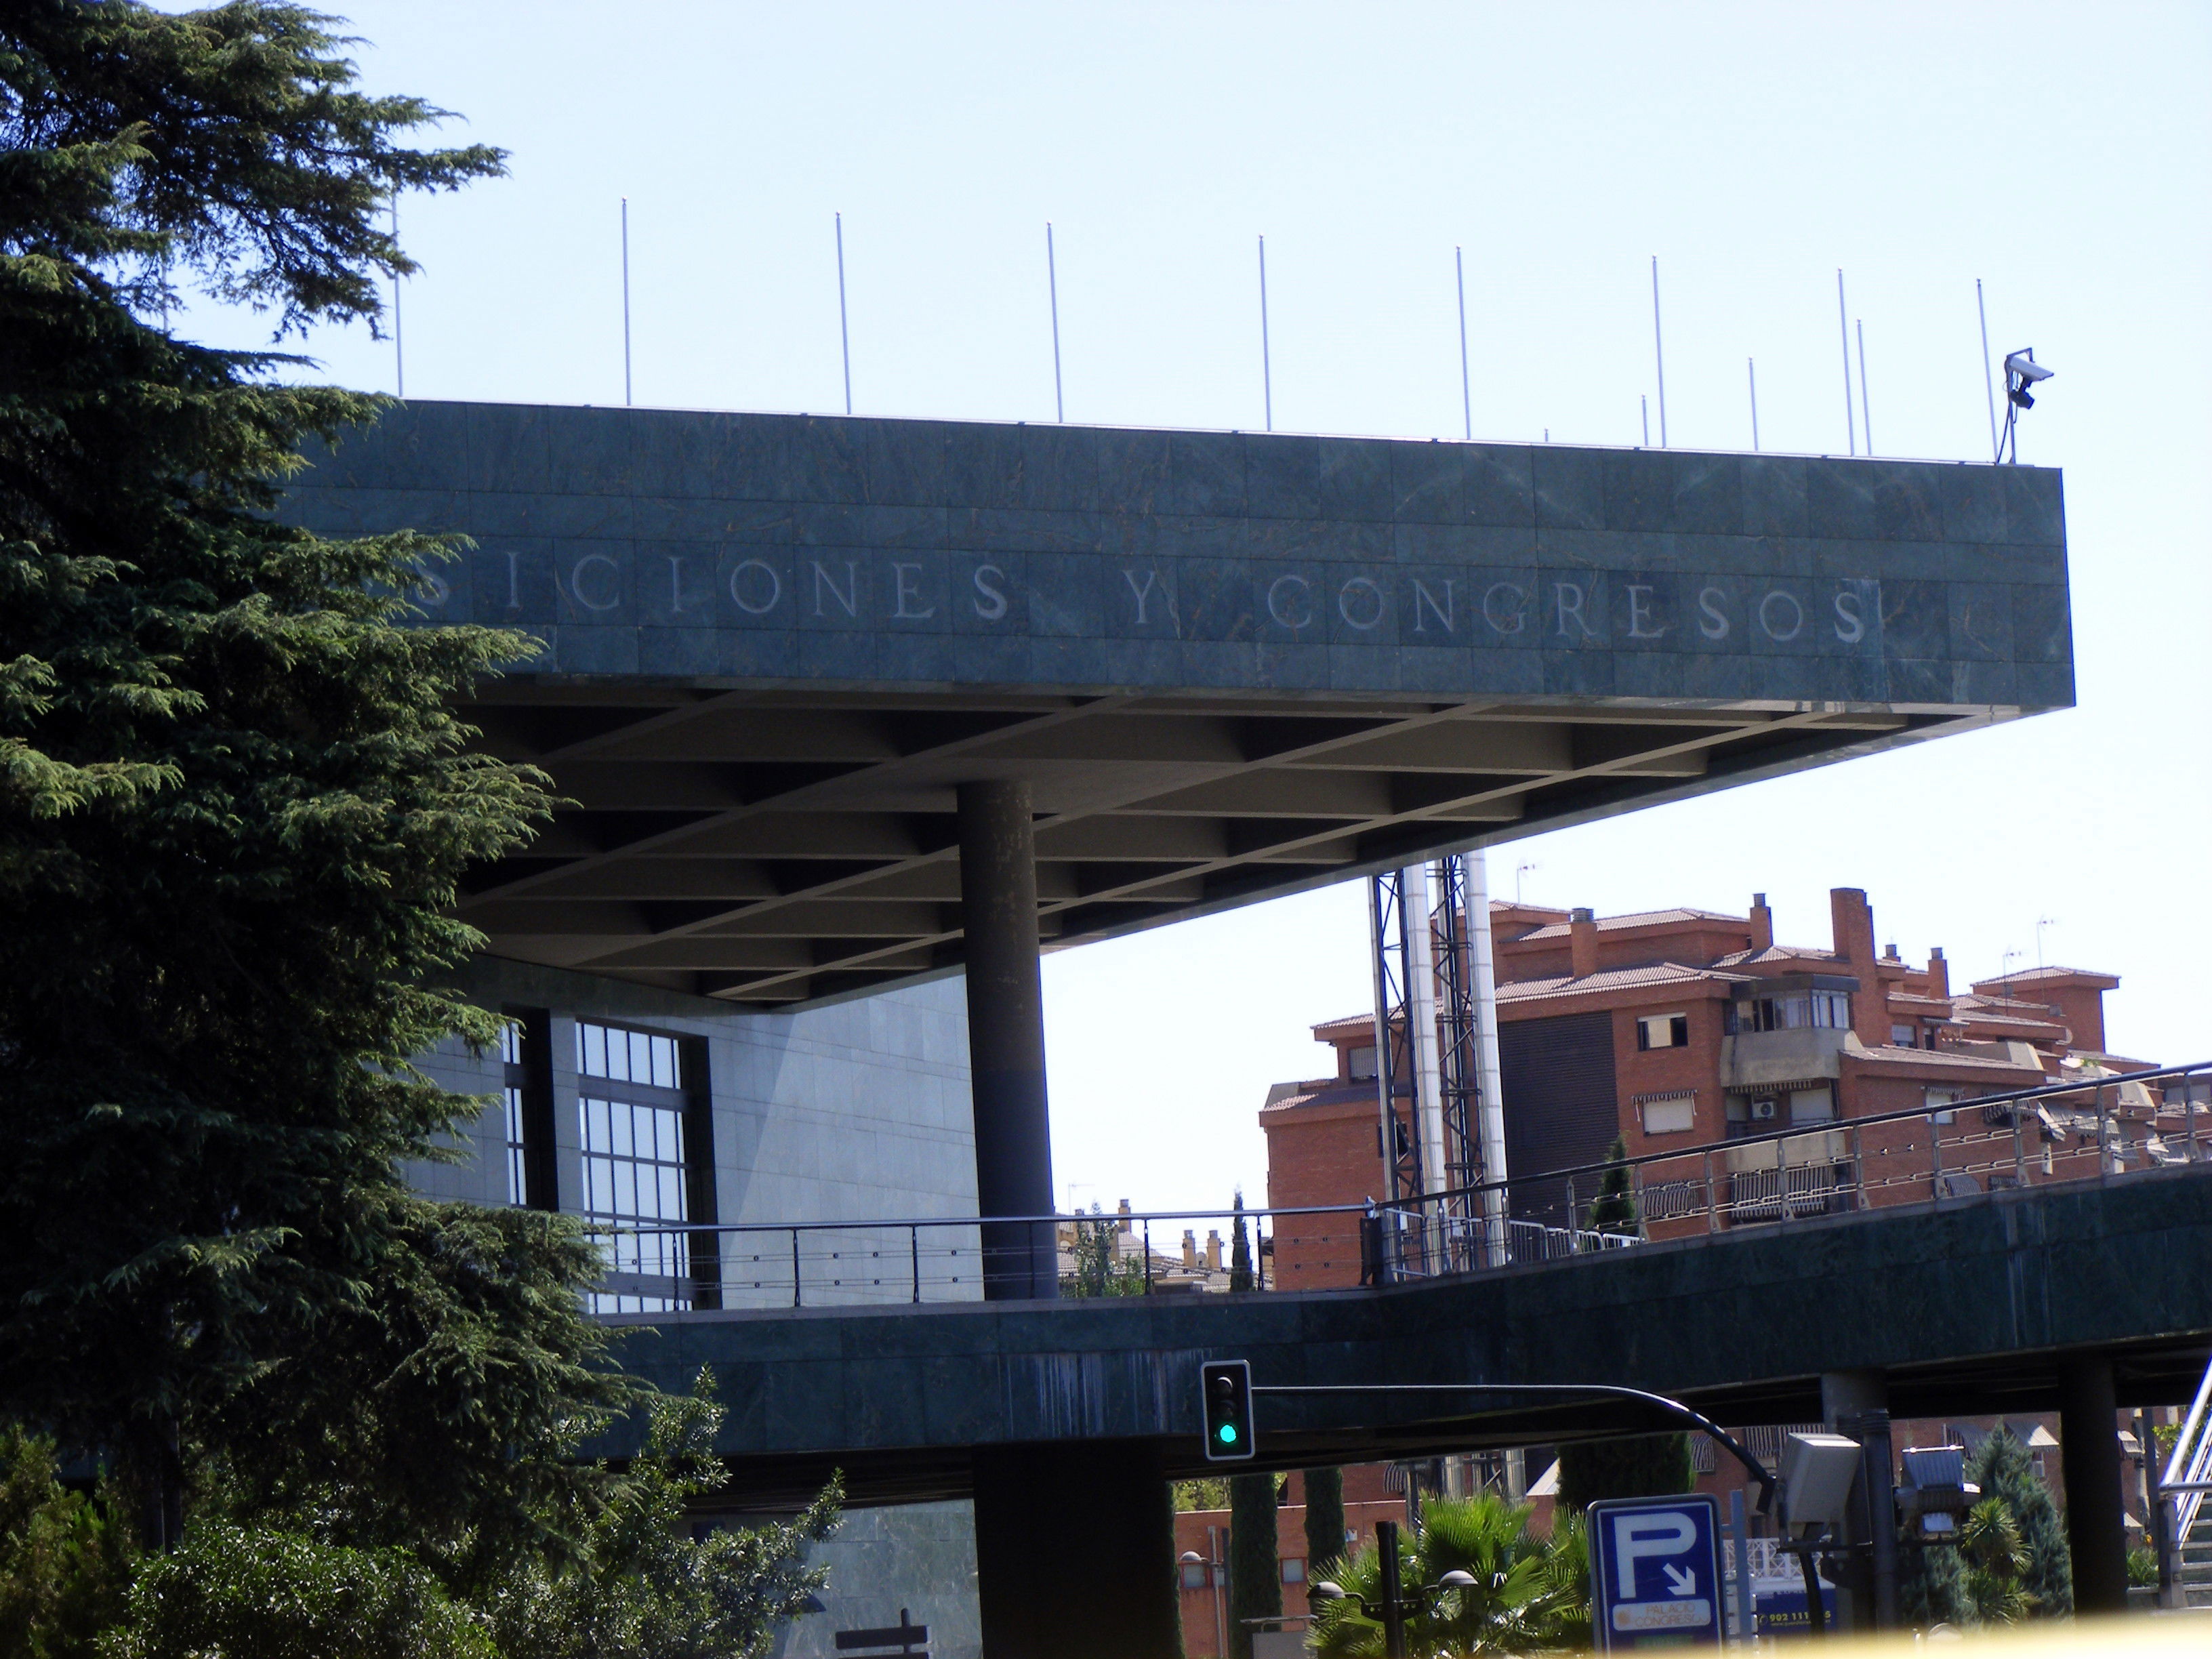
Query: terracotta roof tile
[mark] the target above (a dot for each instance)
(1634, 919)
(1612, 978)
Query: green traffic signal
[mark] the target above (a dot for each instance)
(1225, 1395)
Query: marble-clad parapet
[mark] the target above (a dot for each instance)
(923, 554)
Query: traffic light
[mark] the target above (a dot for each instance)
(1226, 1386)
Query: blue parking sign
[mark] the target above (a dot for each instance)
(1656, 1572)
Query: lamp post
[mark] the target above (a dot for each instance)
(1395, 1602)
(1192, 1559)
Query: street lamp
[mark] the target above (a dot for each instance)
(1192, 1559)
(1396, 1600)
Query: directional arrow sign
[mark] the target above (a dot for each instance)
(1655, 1571)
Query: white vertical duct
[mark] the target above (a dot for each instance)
(1421, 1014)
(1491, 1130)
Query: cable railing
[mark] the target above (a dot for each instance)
(2091, 1129)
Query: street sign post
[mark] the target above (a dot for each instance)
(1656, 1572)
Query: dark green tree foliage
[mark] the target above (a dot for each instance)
(1240, 1249)
(2002, 1468)
(1100, 1269)
(235, 1591)
(1614, 1209)
(643, 1587)
(1634, 1466)
(235, 807)
(1256, 1577)
(1932, 1585)
(65, 1560)
(1324, 1519)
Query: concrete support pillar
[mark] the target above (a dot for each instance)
(1006, 1038)
(1075, 1554)
(2089, 1450)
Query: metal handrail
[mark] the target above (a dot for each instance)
(1455, 1230)
(1256, 1211)
(1903, 1115)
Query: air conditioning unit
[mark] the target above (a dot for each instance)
(1762, 1110)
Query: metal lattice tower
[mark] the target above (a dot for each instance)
(1395, 1067)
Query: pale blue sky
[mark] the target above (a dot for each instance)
(2059, 153)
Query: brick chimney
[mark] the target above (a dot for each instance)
(1851, 919)
(1939, 974)
(1582, 942)
(1762, 924)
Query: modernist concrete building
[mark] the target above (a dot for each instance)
(843, 707)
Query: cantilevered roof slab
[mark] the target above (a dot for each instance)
(1231, 666)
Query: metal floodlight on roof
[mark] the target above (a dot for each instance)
(1817, 1472)
(2021, 372)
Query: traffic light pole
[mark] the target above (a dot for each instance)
(1673, 1408)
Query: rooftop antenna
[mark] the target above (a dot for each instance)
(2042, 922)
(1266, 366)
(625, 264)
(1989, 383)
(398, 335)
(1843, 331)
(1519, 871)
(1052, 286)
(1751, 373)
(844, 335)
(1658, 352)
(1866, 419)
(1466, 395)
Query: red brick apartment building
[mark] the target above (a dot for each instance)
(1685, 1028)
(1682, 1028)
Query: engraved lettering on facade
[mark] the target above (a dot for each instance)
(431, 588)
(1276, 594)
(1571, 608)
(903, 589)
(739, 584)
(514, 580)
(1767, 616)
(1425, 599)
(1850, 624)
(992, 605)
(576, 582)
(1344, 604)
(1144, 594)
(849, 597)
(1713, 624)
(1520, 597)
(675, 585)
(1639, 613)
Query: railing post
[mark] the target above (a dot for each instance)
(1574, 1218)
(1935, 1159)
(2019, 1151)
(1712, 1198)
(1148, 1255)
(794, 1266)
(2189, 1106)
(2104, 1140)
(913, 1253)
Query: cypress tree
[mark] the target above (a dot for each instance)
(1614, 1209)
(1324, 1518)
(235, 809)
(1240, 1250)
(2003, 1469)
(1256, 1577)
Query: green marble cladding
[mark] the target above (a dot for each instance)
(802, 549)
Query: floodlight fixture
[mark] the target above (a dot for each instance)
(2021, 372)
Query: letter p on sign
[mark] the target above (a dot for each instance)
(1635, 1536)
